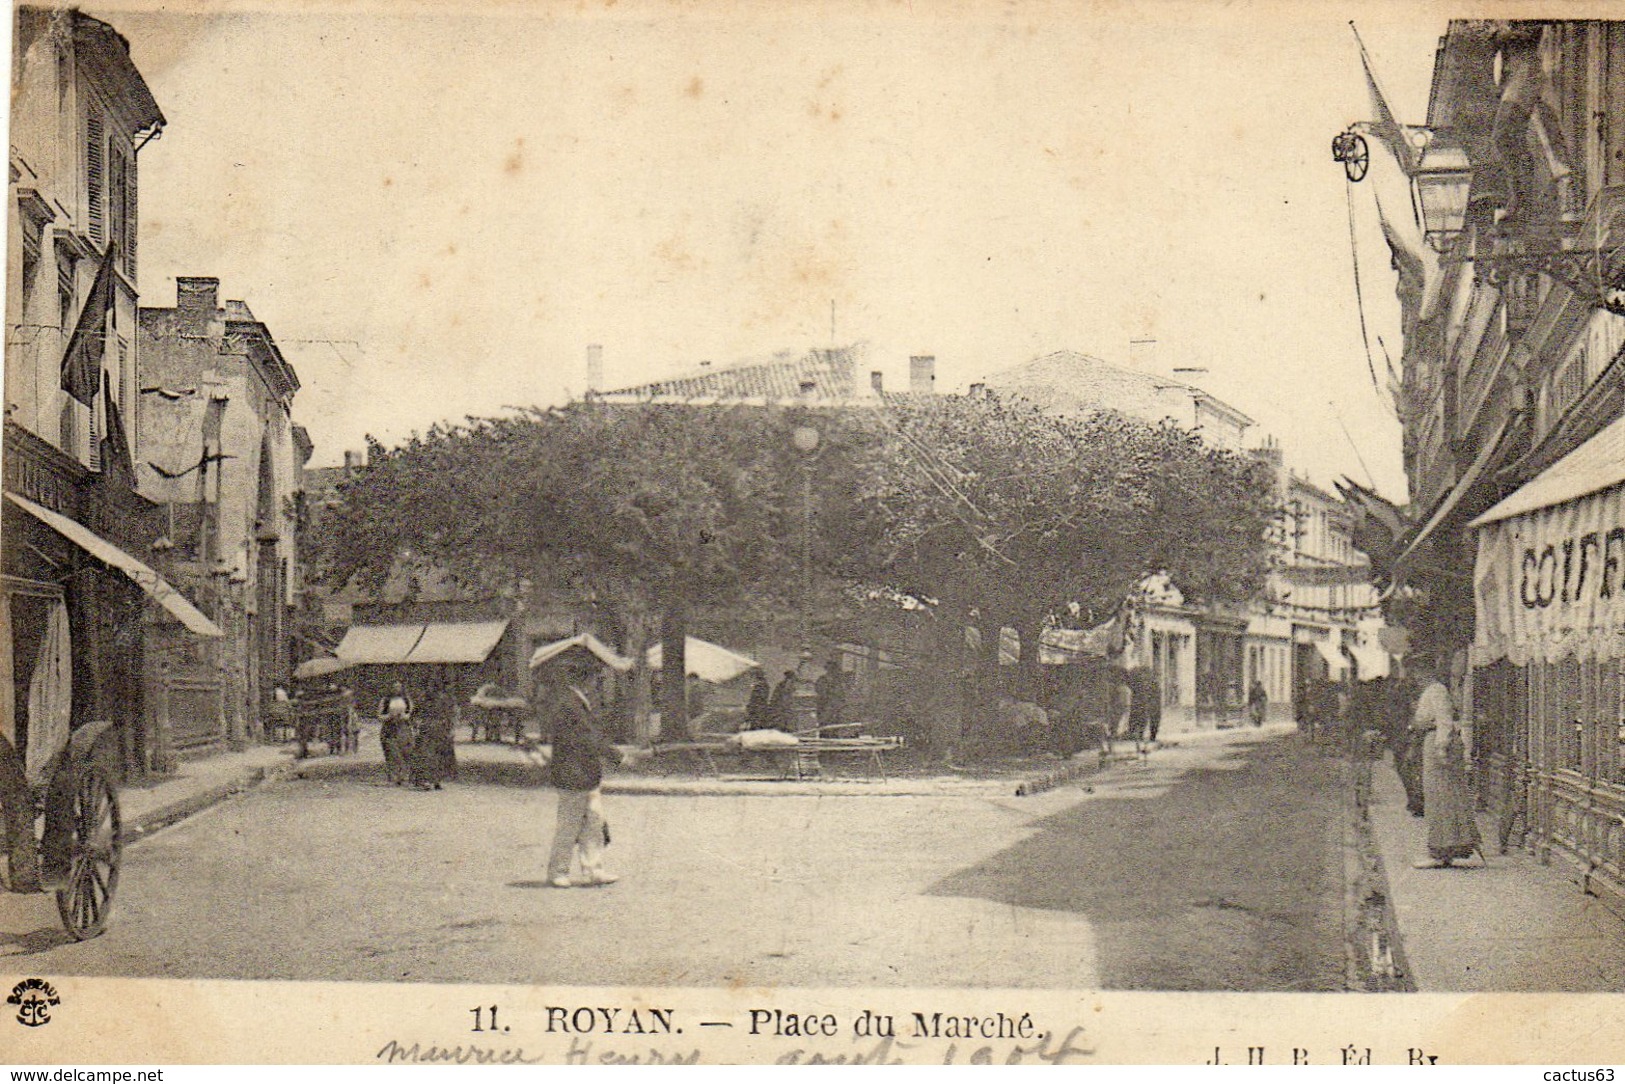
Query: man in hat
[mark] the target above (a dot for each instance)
(579, 749)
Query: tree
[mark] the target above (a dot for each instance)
(978, 503)
(1014, 514)
(653, 507)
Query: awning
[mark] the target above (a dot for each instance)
(365, 645)
(430, 643)
(460, 642)
(703, 659)
(1594, 466)
(1335, 660)
(587, 642)
(1546, 582)
(1486, 455)
(104, 551)
(321, 666)
(1371, 658)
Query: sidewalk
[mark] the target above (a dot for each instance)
(196, 785)
(1514, 925)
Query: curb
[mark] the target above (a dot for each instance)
(1050, 780)
(154, 820)
(517, 774)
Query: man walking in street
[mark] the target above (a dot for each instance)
(579, 749)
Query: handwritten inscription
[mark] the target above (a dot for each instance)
(598, 1035)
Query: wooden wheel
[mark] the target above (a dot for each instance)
(86, 901)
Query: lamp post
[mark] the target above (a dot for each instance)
(155, 661)
(806, 440)
(237, 737)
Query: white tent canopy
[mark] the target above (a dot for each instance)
(587, 642)
(708, 661)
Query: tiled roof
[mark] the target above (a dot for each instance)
(1071, 380)
(780, 378)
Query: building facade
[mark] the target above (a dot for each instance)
(78, 595)
(224, 460)
(1512, 284)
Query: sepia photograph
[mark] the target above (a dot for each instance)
(841, 530)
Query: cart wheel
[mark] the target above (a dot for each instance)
(86, 903)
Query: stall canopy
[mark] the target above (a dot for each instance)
(1549, 581)
(426, 643)
(705, 660)
(321, 666)
(1058, 646)
(1335, 662)
(1370, 657)
(156, 587)
(587, 642)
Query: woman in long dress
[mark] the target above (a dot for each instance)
(1447, 796)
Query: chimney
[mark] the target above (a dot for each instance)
(876, 382)
(196, 300)
(595, 367)
(922, 374)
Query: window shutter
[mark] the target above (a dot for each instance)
(126, 390)
(115, 197)
(95, 458)
(95, 186)
(130, 203)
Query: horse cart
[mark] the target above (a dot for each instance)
(77, 853)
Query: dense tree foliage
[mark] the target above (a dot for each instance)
(979, 504)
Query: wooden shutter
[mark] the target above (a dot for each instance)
(95, 179)
(115, 197)
(130, 203)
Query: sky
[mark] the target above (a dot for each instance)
(435, 212)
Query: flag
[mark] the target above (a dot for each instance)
(82, 363)
(116, 456)
(1386, 127)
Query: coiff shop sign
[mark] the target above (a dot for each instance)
(1550, 577)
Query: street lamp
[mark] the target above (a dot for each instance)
(156, 662)
(806, 439)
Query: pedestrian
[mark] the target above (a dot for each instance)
(756, 706)
(1406, 742)
(781, 711)
(831, 692)
(1258, 702)
(395, 714)
(697, 698)
(434, 757)
(1452, 833)
(352, 726)
(579, 750)
(1144, 704)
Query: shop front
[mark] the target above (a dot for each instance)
(1548, 691)
(74, 605)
